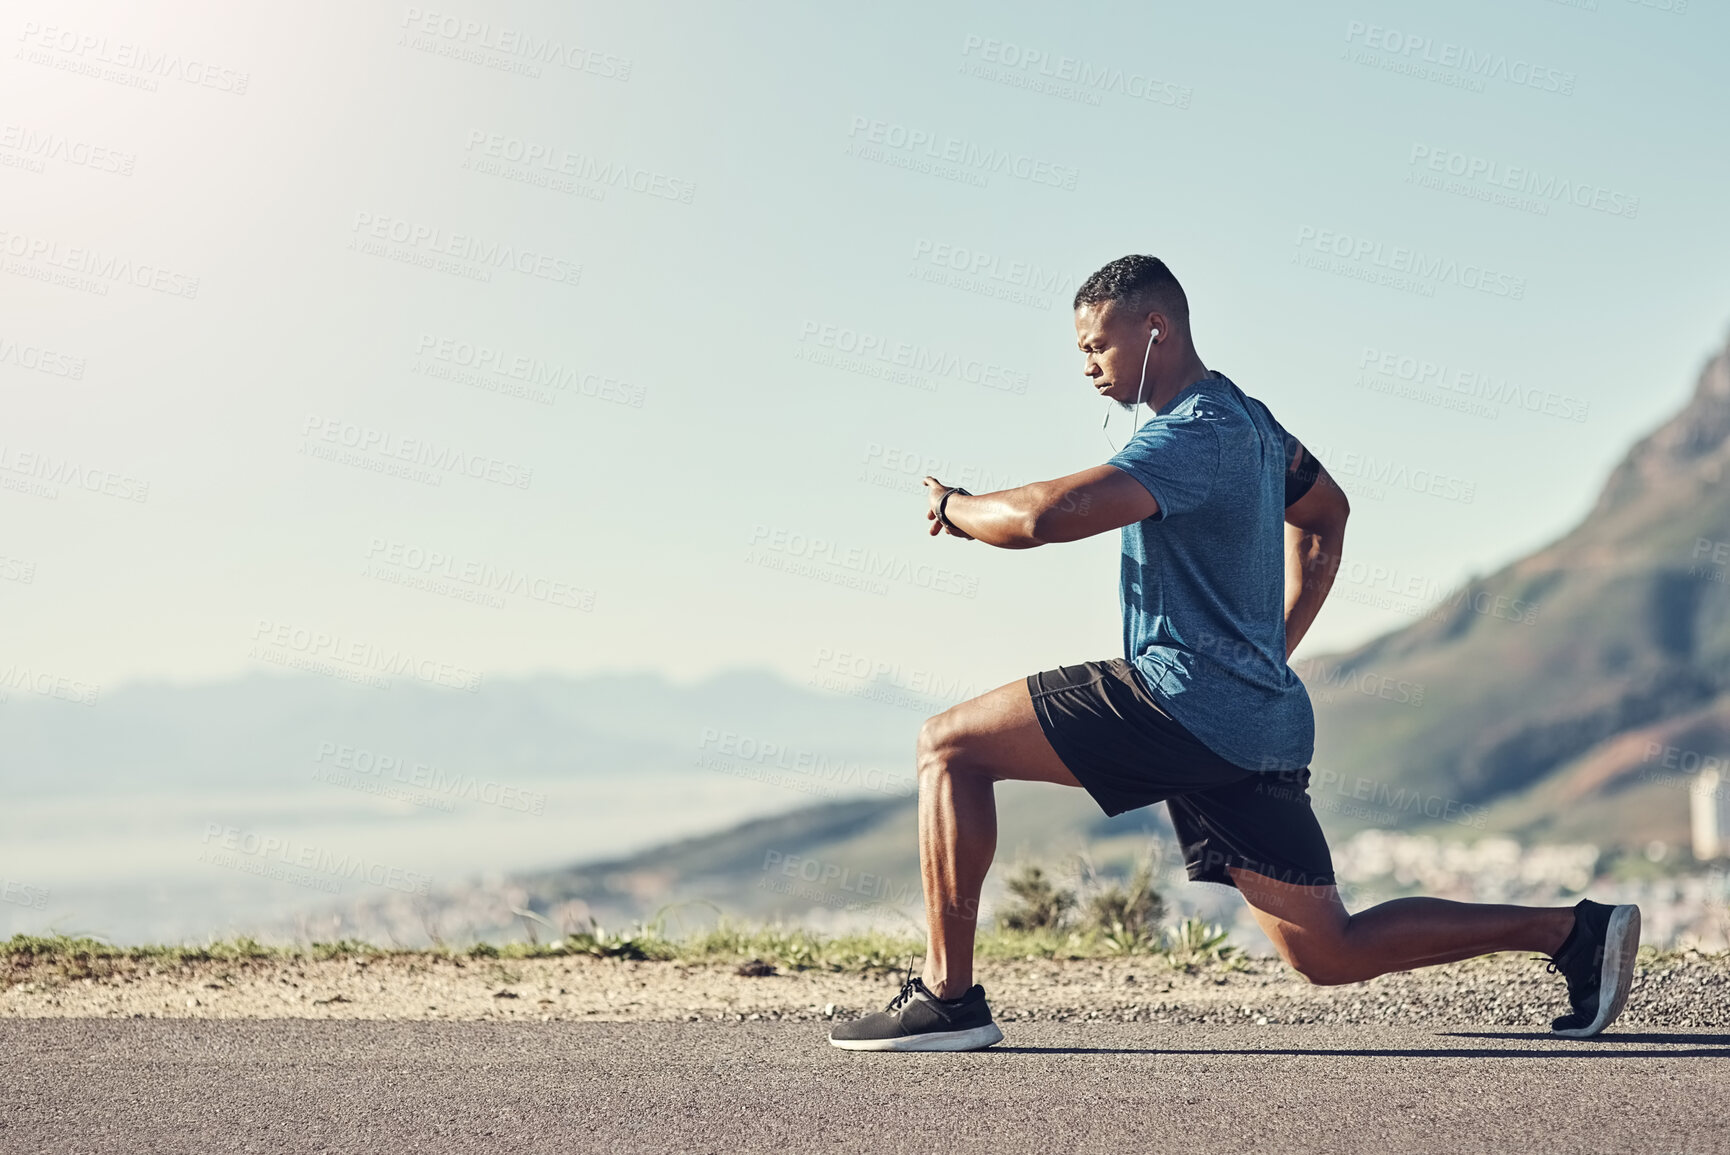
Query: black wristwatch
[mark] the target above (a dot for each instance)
(943, 503)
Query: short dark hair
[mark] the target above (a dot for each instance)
(1137, 280)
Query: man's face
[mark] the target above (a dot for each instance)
(1113, 340)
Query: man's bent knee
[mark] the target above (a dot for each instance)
(936, 749)
(1321, 966)
(942, 747)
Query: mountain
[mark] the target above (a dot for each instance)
(1570, 693)
(125, 815)
(271, 727)
(847, 863)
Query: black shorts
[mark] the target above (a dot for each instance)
(1127, 752)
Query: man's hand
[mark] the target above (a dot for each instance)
(934, 491)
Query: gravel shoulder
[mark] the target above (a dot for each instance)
(1690, 991)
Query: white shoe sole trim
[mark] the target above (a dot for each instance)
(969, 1040)
(1621, 945)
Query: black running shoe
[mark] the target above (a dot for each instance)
(917, 1020)
(1597, 959)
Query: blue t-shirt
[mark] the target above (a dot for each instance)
(1203, 580)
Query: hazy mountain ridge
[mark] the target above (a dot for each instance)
(840, 863)
(1631, 631)
(268, 726)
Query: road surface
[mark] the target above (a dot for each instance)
(138, 1085)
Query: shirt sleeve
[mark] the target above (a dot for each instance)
(1301, 471)
(1301, 468)
(1175, 459)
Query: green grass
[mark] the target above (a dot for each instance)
(789, 948)
(23, 947)
(1190, 946)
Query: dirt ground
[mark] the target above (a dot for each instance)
(1511, 990)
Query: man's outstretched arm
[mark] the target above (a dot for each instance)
(1315, 532)
(1043, 512)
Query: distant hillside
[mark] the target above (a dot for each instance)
(838, 863)
(1582, 723)
(111, 807)
(269, 728)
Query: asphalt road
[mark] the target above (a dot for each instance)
(135, 1085)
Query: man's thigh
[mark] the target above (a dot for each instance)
(996, 734)
(1300, 921)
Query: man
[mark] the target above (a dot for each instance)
(1231, 539)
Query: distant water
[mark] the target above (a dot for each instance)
(150, 867)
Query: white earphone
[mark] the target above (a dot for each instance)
(1152, 339)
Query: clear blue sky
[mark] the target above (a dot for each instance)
(809, 182)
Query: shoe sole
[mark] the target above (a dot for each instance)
(1621, 945)
(971, 1039)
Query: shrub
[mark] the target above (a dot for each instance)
(1127, 916)
(1038, 905)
